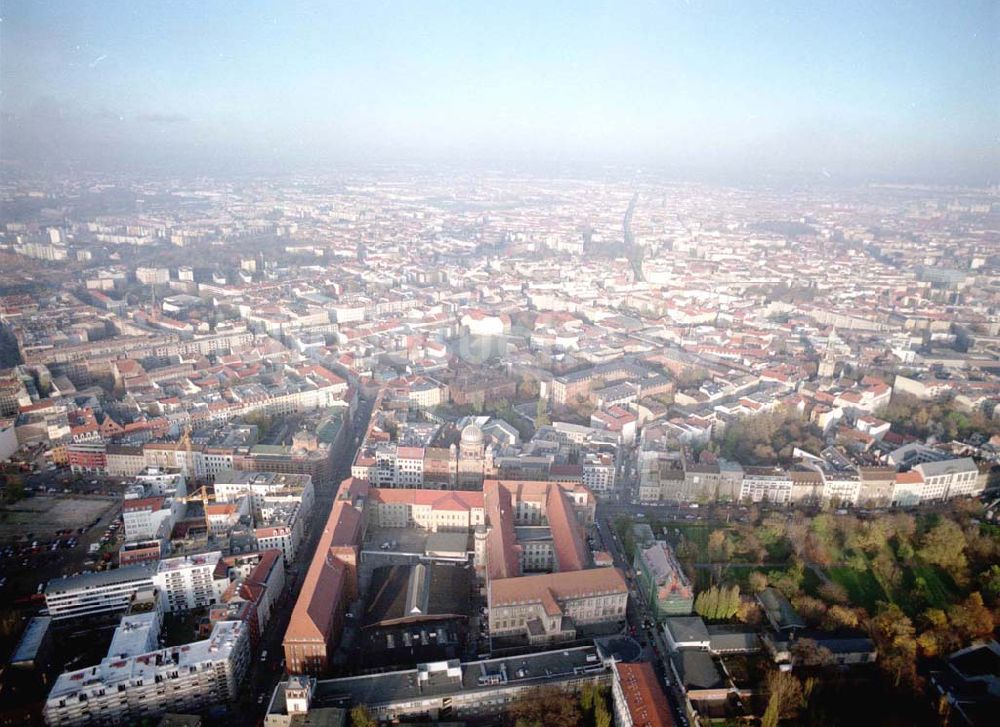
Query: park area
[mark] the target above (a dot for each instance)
(914, 562)
(920, 584)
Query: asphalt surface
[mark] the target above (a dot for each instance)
(266, 671)
(639, 613)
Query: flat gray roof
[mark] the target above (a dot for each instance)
(686, 628)
(447, 542)
(723, 637)
(540, 667)
(697, 669)
(31, 639)
(97, 579)
(527, 533)
(948, 466)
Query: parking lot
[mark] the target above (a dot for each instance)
(396, 540)
(48, 536)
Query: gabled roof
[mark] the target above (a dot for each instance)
(779, 611)
(546, 588)
(644, 698)
(567, 533)
(324, 586)
(502, 552)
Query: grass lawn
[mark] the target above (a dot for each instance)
(738, 573)
(694, 532)
(941, 589)
(862, 587)
(697, 533)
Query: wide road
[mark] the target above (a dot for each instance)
(642, 621)
(266, 672)
(629, 238)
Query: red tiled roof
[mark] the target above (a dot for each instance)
(556, 586)
(324, 585)
(502, 552)
(410, 453)
(646, 702)
(568, 537)
(469, 500)
(144, 503)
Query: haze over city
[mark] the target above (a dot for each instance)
(552, 364)
(844, 90)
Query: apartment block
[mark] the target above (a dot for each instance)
(102, 592)
(190, 581)
(140, 687)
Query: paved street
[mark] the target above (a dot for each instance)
(267, 670)
(641, 619)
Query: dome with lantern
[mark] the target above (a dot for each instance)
(472, 435)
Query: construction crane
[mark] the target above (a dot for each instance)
(205, 495)
(202, 493)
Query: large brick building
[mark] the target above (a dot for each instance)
(552, 606)
(330, 583)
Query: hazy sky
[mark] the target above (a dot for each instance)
(878, 88)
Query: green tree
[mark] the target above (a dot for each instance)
(840, 617)
(623, 526)
(905, 551)
(944, 545)
(808, 652)
(784, 700)
(720, 547)
(712, 603)
(811, 609)
(833, 592)
(770, 718)
(939, 636)
(699, 603)
(541, 414)
(789, 581)
(602, 717)
(990, 583)
(10, 623)
(887, 570)
(361, 717)
(527, 388)
(263, 421)
(594, 703)
(732, 601)
(13, 491)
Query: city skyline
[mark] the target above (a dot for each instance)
(571, 364)
(331, 448)
(748, 91)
